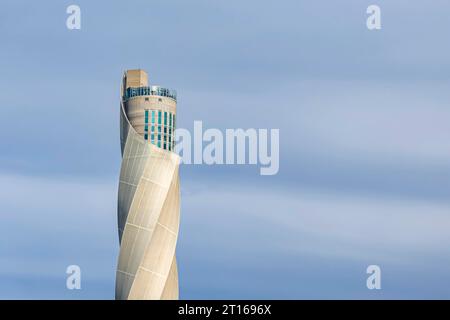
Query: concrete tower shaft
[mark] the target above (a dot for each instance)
(149, 191)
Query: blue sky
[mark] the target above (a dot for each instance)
(364, 145)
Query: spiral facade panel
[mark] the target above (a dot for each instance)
(148, 202)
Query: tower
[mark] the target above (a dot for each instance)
(149, 191)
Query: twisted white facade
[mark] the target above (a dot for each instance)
(149, 192)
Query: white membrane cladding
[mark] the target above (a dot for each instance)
(148, 218)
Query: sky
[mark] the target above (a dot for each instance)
(363, 115)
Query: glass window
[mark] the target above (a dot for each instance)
(146, 136)
(159, 117)
(153, 116)
(165, 118)
(170, 119)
